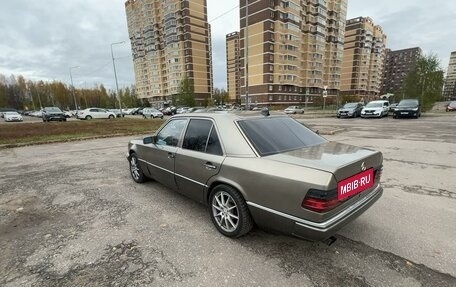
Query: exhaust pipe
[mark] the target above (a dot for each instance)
(330, 240)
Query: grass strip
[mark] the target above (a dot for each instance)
(40, 133)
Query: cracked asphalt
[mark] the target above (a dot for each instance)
(71, 216)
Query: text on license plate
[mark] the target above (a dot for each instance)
(355, 184)
(404, 113)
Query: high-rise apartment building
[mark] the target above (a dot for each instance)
(398, 64)
(449, 90)
(295, 49)
(233, 66)
(169, 41)
(364, 55)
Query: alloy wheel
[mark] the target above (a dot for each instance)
(225, 211)
(134, 169)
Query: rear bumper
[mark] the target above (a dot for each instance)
(317, 231)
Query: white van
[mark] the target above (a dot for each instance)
(375, 109)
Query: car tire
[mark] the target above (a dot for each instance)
(302, 112)
(229, 212)
(135, 170)
(338, 116)
(111, 117)
(88, 117)
(161, 117)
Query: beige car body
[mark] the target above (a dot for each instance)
(273, 186)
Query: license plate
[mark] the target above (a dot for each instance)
(404, 113)
(355, 184)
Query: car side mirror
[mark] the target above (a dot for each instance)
(150, 140)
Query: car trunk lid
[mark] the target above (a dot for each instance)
(342, 160)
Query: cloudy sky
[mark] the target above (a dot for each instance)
(43, 39)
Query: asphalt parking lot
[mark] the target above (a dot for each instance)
(71, 216)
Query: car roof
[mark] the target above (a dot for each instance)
(225, 115)
(231, 137)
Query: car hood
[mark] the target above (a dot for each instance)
(341, 160)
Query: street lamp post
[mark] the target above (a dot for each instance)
(72, 88)
(246, 55)
(115, 75)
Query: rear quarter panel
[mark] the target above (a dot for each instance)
(272, 184)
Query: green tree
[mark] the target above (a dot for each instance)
(220, 96)
(425, 82)
(186, 94)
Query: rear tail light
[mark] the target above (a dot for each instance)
(320, 200)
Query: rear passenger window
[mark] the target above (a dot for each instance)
(201, 136)
(213, 144)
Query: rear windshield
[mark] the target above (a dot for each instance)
(275, 135)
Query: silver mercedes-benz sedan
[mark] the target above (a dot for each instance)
(271, 171)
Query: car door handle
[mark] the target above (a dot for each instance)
(209, 165)
(171, 155)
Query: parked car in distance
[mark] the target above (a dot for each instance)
(182, 110)
(392, 107)
(152, 113)
(4, 110)
(169, 111)
(53, 114)
(95, 113)
(407, 108)
(294, 110)
(271, 171)
(116, 112)
(68, 114)
(127, 111)
(37, 114)
(194, 109)
(375, 109)
(137, 111)
(451, 107)
(12, 117)
(351, 110)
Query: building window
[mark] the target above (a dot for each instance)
(270, 89)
